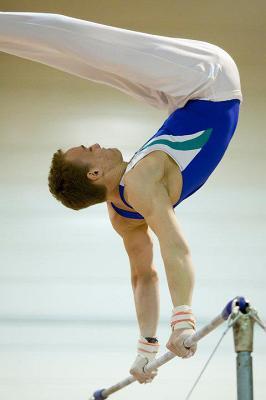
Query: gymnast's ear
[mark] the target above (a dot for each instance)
(94, 174)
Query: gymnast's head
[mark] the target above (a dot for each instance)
(83, 176)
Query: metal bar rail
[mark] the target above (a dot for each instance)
(238, 302)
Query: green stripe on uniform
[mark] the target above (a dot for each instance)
(190, 144)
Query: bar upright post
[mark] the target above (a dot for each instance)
(243, 339)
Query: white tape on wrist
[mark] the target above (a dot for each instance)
(146, 349)
(182, 318)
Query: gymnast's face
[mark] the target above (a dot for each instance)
(99, 159)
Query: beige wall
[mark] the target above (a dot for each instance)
(59, 265)
(43, 109)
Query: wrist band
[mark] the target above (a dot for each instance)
(146, 348)
(182, 318)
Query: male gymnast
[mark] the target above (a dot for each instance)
(198, 84)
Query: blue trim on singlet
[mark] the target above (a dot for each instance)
(195, 116)
(121, 192)
(121, 211)
(127, 214)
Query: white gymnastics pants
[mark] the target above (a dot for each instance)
(164, 72)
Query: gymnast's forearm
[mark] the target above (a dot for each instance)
(180, 275)
(146, 296)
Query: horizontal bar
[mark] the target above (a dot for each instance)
(237, 301)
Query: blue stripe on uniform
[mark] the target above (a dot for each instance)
(127, 214)
(121, 192)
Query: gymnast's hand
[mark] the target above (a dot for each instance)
(176, 343)
(137, 370)
(147, 351)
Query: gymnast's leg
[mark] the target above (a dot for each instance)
(152, 68)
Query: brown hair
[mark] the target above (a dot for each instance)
(69, 184)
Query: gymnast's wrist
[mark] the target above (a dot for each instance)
(182, 318)
(148, 347)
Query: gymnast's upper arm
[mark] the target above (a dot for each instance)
(135, 233)
(153, 202)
